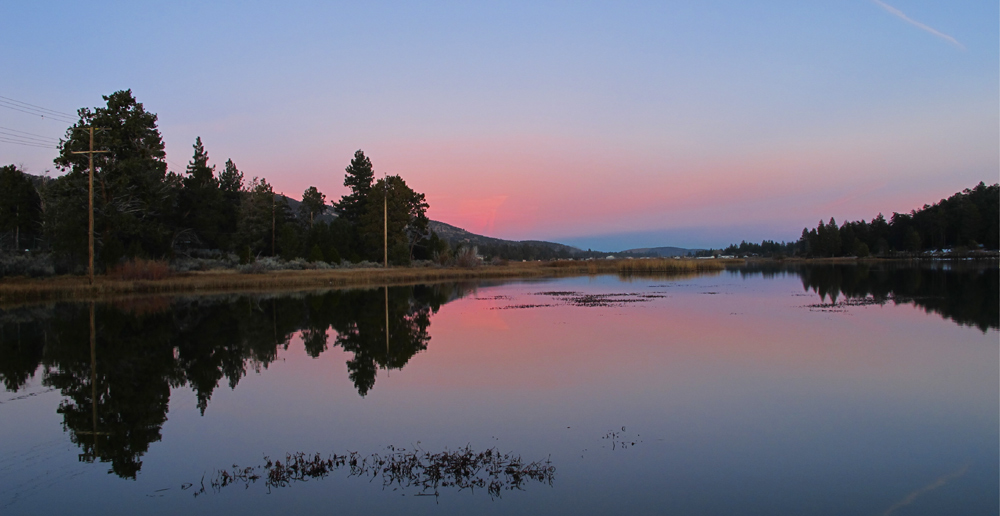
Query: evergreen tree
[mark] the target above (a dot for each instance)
(134, 197)
(20, 209)
(406, 223)
(359, 178)
(231, 187)
(256, 220)
(313, 204)
(231, 179)
(200, 200)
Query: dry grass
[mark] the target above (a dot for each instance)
(140, 269)
(16, 291)
(671, 265)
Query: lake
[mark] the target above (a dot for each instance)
(831, 389)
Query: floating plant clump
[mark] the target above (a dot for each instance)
(399, 468)
(573, 298)
(616, 299)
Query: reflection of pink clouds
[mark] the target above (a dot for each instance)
(764, 335)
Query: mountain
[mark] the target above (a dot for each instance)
(455, 235)
(662, 251)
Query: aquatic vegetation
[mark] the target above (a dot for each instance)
(398, 468)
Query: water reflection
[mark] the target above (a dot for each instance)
(116, 363)
(117, 385)
(968, 294)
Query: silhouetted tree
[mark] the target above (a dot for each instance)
(20, 209)
(359, 178)
(134, 197)
(313, 204)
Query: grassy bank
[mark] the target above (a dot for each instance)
(15, 291)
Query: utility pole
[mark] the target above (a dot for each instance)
(272, 224)
(90, 203)
(385, 228)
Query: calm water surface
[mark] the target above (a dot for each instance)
(819, 390)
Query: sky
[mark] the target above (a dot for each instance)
(604, 125)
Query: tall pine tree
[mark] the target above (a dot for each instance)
(359, 178)
(200, 199)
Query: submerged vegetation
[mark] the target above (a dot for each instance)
(398, 469)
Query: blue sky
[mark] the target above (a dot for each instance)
(603, 125)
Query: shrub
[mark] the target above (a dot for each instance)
(26, 265)
(140, 269)
(467, 257)
(256, 267)
(316, 254)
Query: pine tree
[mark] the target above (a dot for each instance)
(359, 178)
(313, 205)
(20, 209)
(231, 187)
(406, 223)
(134, 196)
(200, 200)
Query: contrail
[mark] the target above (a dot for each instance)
(899, 14)
(908, 499)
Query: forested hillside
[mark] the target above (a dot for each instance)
(968, 220)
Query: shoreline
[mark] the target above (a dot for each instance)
(22, 290)
(19, 291)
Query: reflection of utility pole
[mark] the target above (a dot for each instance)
(89, 457)
(90, 203)
(93, 372)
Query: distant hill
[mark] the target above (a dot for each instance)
(662, 251)
(455, 235)
(543, 249)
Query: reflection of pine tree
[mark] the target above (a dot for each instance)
(314, 340)
(135, 369)
(968, 297)
(22, 341)
(142, 354)
(363, 333)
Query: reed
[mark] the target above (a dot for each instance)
(671, 265)
(140, 269)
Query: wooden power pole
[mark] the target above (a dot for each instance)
(385, 228)
(90, 204)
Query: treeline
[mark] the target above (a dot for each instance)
(968, 220)
(143, 211)
(531, 251)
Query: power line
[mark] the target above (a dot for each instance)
(40, 112)
(26, 144)
(29, 134)
(43, 115)
(35, 139)
(54, 112)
